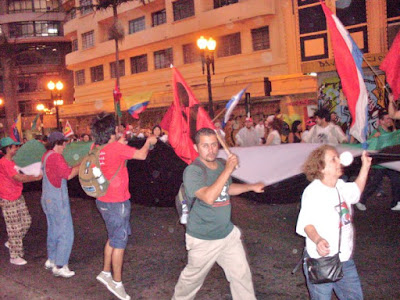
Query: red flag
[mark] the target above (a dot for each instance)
(183, 118)
(391, 66)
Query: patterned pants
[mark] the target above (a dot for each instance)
(18, 221)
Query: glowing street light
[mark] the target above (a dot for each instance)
(207, 48)
(57, 101)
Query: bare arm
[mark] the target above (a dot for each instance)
(26, 178)
(237, 188)
(361, 180)
(141, 154)
(74, 172)
(320, 242)
(270, 138)
(209, 194)
(291, 137)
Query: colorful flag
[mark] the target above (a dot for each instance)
(137, 103)
(68, 130)
(117, 103)
(391, 66)
(184, 118)
(230, 106)
(16, 129)
(348, 61)
(34, 122)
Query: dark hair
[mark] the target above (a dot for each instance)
(277, 124)
(323, 114)
(103, 127)
(157, 126)
(203, 131)
(382, 113)
(51, 145)
(294, 126)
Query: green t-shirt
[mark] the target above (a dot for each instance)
(207, 222)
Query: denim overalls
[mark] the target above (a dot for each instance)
(60, 231)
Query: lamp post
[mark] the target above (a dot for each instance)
(41, 109)
(207, 48)
(57, 101)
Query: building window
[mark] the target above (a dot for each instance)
(159, 17)
(17, 6)
(113, 68)
(163, 58)
(137, 25)
(96, 73)
(229, 45)
(260, 37)
(27, 84)
(139, 64)
(353, 14)
(393, 8)
(36, 28)
(87, 40)
(74, 45)
(312, 19)
(191, 53)
(71, 14)
(86, 6)
(183, 9)
(80, 77)
(1, 85)
(220, 3)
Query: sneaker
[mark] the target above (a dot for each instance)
(63, 272)
(361, 206)
(397, 207)
(118, 290)
(49, 264)
(104, 278)
(19, 261)
(7, 245)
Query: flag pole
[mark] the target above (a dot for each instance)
(217, 116)
(377, 75)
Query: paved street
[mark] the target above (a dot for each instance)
(156, 254)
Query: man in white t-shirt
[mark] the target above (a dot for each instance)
(324, 131)
(247, 136)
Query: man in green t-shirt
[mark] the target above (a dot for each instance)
(210, 236)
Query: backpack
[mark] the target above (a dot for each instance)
(183, 202)
(91, 178)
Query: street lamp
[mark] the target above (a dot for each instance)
(57, 101)
(42, 110)
(207, 48)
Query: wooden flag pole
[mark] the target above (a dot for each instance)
(223, 144)
(217, 116)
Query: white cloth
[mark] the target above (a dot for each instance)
(276, 137)
(320, 208)
(247, 137)
(164, 138)
(34, 169)
(331, 134)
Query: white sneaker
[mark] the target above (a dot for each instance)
(118, 290)
(361, 206)
(397, 207)
(19, 261)
(63, 272)
(7, 245)
(49, 264)
(104, 278)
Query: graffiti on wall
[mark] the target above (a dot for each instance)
(332, 98)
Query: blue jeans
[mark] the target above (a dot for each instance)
(116, 215)
(348, 288)
(60, 231)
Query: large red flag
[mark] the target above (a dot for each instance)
(183, 118)
(391, 66)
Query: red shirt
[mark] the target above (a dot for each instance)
(56, 168)
(10, 189)
(111, 157)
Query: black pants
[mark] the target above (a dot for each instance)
(376, 179)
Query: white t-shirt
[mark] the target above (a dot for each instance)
(260, 130)
(276, 137)
(320, 208)
(331, 134)
(247, 137)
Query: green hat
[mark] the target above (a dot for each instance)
(7, 141)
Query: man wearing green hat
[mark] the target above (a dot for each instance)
(12, 202)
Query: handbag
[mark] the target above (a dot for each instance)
(326, 269)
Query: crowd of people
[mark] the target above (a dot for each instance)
(211, 237)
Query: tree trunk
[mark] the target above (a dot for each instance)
(115, 14)
(10, 101)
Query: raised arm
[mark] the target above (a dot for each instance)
(141, 154)
(361, 180)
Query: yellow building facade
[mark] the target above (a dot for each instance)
(268, 45)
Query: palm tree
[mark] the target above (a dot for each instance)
(116, 32)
